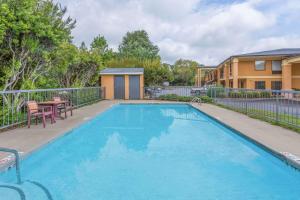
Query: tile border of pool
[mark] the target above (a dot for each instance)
(285, 157)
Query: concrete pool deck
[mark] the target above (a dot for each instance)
(27, 140)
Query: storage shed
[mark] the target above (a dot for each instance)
(123, 83)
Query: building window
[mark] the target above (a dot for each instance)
(276, 67)
(260, 65)
(260, 85)
(276, 85)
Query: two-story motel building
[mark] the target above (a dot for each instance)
(275, 69)
(201, 73)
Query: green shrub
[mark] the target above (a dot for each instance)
(234, 94)
(265, 94)
(249, 94)
(174, 97)
(252, 94)
(206, 99)
(170, 97)
(219, 92)
(221, 95)
(185, 99)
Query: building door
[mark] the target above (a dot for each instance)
(119, 87)
(134, 87)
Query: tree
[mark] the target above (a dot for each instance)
(138, 45)
(29, 31)
(75, 67)
(184, 72)
(136, 50)
(100, 46)
(67, 58)
(155, 72)
(83, 46)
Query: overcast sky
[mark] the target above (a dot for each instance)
(207, 31)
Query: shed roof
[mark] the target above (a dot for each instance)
(121, 71)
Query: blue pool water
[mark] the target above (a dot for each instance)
(154, 152)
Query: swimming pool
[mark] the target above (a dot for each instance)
(148, 151)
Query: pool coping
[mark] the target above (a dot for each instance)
(285, 157)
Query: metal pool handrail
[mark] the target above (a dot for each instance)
(196, 100)
(17, 161)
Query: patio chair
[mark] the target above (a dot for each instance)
(34, 110)
(64, 107)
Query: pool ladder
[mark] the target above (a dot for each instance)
(196, 100)
(17, 162)
(19, 180)
(18, 190)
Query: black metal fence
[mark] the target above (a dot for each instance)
(277, 106)
(13, 110)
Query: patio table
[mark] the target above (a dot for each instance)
(54, 105)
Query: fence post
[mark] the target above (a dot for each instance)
(3, 110)
(277, 107)
(76, 98)
(99, 93)
(215, 92)
(246, 102)
(26, 110)
(104, 93)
